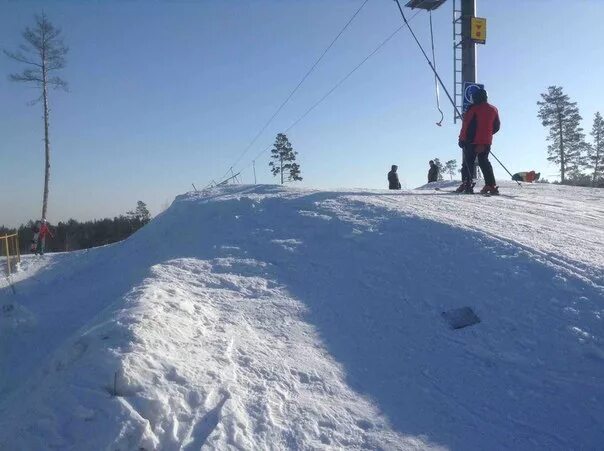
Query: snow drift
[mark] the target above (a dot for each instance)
(261, 317)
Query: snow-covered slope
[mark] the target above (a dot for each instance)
(261, 317)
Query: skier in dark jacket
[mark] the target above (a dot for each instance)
(393, 182)
(480, 123)
(433, 172)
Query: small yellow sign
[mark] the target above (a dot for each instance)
(478, 31)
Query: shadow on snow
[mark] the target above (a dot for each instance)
(375, 283)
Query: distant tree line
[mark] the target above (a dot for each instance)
(580, 162)
(74, 235)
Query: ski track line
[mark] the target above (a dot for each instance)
(579, 269)
(570, 268)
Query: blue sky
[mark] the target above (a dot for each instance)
(166, 93)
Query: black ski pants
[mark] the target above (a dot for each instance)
(469, 161)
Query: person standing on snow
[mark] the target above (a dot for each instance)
(34, 241)
(393, 182)
(44, 231)
(433, 172)
(480, 123)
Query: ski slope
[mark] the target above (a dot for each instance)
(263, 317)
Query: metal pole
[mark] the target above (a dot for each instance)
(254, 166)
(468, 47)
(7, 255)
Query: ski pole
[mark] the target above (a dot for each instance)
(506, 169)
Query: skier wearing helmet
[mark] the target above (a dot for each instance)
(480, 123)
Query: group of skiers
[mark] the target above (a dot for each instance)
(38, 242)
(480, 123)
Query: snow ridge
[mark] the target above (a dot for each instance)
(261, 317)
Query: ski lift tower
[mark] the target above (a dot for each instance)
(467, 31)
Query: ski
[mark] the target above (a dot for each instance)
(446, 191)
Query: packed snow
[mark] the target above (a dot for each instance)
(265, 317)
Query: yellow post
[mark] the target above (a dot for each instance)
(7, 255)
(18, 250)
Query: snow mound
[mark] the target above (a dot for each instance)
(262, 317)
(442, 184)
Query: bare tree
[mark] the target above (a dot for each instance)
(44, 53)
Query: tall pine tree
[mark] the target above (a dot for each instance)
(566, 136)
(284, 160)
(43, 53)
(595, 152)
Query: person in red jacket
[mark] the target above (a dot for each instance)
(44, 231)
(480, 123)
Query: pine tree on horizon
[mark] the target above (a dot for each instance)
(284, 160)
(566, 136)
(441, 169)
(451, 168)
(141, 214)
(595, 152)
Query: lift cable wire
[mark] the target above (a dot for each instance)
(436, 87)
(427, 58)
(336, 86)
(316, 63)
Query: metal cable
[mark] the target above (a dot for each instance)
(316, 63)
(336, 86)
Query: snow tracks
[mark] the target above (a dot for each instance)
(271, 318)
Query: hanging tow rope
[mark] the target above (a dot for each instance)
(436, 87)
(440, 82)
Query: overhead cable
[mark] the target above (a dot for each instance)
(312, 68)
(336, 86)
